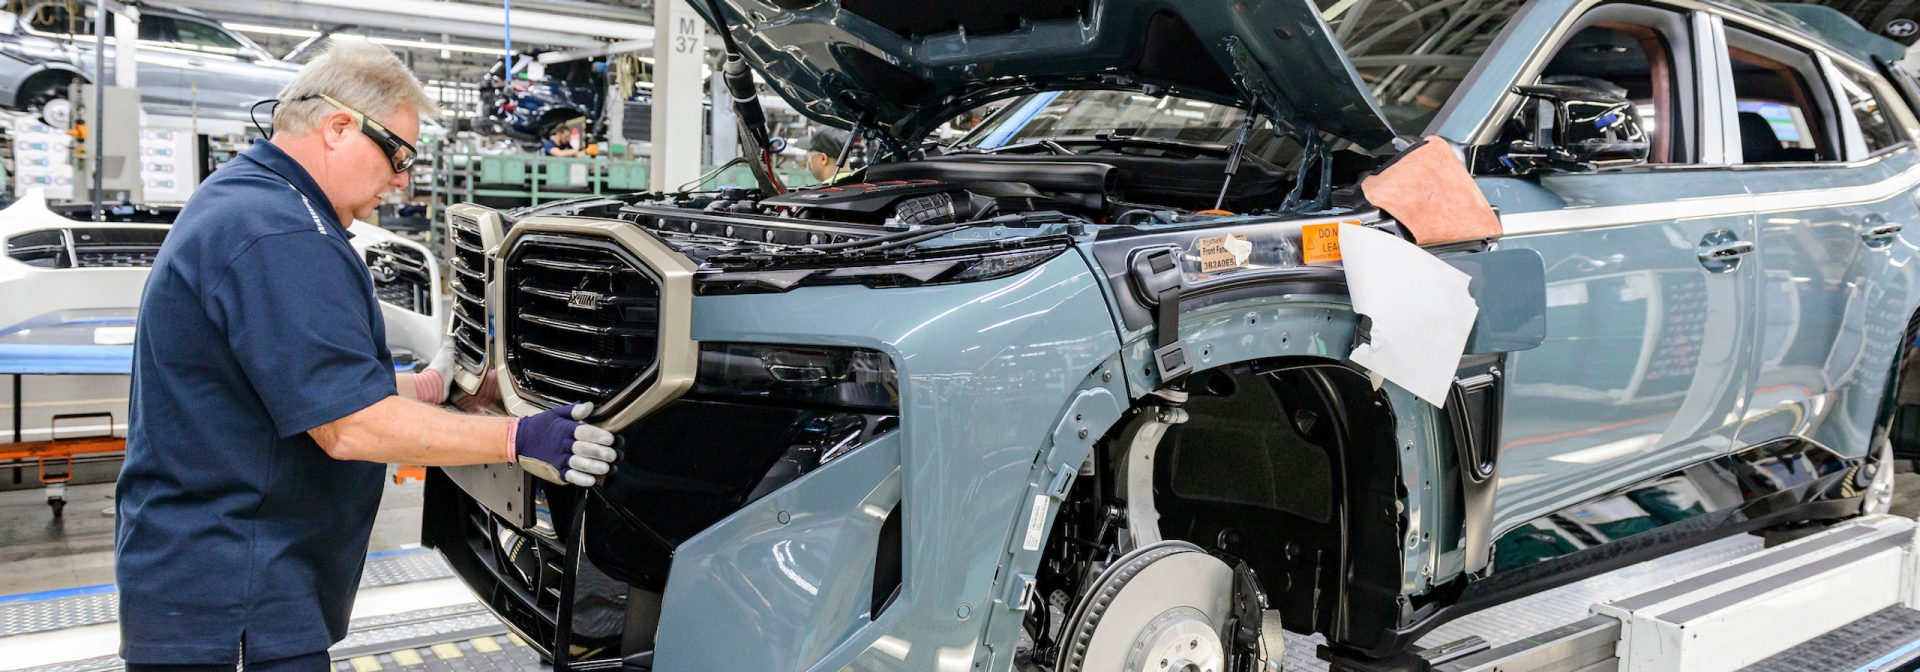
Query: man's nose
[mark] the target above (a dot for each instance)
(401, 178)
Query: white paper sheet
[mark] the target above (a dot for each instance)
(1420, 307)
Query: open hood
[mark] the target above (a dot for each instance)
(908, 66)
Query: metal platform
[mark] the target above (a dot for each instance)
(1842, 599)
(454, 635)
(412, 616)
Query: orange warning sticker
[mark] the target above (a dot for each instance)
(1320, 243)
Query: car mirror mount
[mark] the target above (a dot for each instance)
(1571, 129)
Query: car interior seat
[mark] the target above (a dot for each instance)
(1759, 144)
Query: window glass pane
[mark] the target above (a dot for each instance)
(51, 18)
(206, 38)
(1632, 62)
(1413, 55)
(1875, 128)
(156, 28)
(1082, 117)
(1777, 94)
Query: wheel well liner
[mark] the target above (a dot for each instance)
(50, 73)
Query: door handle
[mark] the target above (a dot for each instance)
(195, 62)
(1727, 251)
(1882, 231)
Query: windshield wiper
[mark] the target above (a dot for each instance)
(1117, 138)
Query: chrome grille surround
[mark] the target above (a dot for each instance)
(473, 233)
(592, 310)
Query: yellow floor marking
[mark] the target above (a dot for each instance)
(366, 664)
(447, 651)
(407, 657)
(485, 644)
(517, 641)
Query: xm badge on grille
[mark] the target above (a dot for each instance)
(583, 300)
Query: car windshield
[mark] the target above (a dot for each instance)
(1411, 55)
(1091, 122)
(1062, 114)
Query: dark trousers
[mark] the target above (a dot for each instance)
(312, 662)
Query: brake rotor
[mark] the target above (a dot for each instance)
(1161, 608)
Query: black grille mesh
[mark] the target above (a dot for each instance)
(467, 258)
(400, 276)
(585, 319)
(88, 247)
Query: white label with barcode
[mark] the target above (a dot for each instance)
(1036, 524)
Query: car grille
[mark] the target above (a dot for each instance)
(585, 319)
(87, 248)
(467, 256)
(400, 276)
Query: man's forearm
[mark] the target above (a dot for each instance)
(395, 430)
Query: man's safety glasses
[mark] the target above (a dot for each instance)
(399, 154)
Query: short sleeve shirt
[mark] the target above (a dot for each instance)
(258, 323)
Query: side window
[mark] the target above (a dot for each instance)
(1636, 62)
(1876, 128)
(1414, 55)
(203, 37)
(156, 29)
(1784, 117)
(52, 19)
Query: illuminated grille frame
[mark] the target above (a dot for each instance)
(402, 276)
(676, 355)
(473, 235)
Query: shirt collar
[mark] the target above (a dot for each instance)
(274, 159)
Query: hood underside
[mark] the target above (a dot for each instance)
(906, 67)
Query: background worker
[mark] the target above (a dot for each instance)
(559, 142)
(824, 147)
(264, 405)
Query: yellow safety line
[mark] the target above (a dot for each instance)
(517, 641)
(447, 651)
(485, 644)
(366, 664)
(407, 657)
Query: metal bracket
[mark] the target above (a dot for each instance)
(1156, 280)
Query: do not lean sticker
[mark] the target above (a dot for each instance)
(1320, 243)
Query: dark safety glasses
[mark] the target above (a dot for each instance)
(399, 154)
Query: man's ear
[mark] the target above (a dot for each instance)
(337, 128)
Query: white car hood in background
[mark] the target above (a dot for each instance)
(31, 295)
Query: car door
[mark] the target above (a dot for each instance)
(221, 72)
(159, 66)
(1825, 160)
(1650, 296)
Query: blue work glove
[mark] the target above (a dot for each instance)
(555, 446)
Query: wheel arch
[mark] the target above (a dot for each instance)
(42, 74)
(1340, 572)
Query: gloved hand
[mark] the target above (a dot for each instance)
(555, 446)
(435, 383)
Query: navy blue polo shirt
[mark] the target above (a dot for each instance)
(258, 323)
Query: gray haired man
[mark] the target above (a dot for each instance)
(264, 402)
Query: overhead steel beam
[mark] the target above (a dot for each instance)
(451, 18)
(609, 49)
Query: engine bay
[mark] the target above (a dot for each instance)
(893, 207)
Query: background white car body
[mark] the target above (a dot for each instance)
(31, 293)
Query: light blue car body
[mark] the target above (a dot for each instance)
(1652, 364)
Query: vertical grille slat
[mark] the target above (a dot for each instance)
(468, 259)
(585, 319)
(400, 276)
